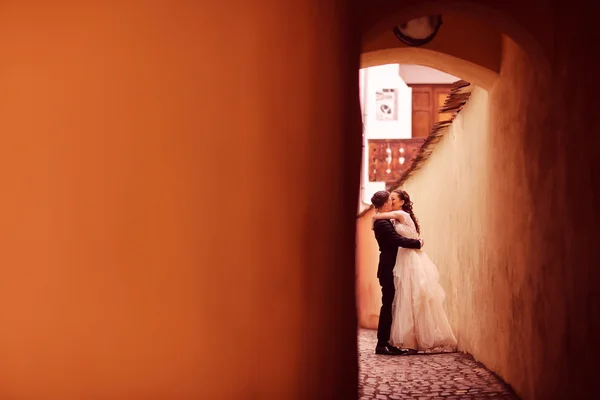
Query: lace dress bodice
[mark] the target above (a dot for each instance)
(406, 228)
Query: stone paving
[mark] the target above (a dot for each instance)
(424, 376)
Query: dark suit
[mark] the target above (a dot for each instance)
(388, 241)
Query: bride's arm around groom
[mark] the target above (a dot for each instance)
(388, 238)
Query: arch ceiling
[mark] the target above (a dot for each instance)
(470, 38)
(471, 72)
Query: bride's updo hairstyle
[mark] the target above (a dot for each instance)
(408, 207)
(380, 198)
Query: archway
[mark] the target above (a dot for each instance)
(387, 14)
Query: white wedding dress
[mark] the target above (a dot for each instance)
(419, 320)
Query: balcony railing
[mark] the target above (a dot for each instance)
(390, 158)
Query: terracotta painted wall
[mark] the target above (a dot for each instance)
(129, 268)
(506, 204)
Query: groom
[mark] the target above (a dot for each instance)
(388, 241)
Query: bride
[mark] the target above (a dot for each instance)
(419, 319)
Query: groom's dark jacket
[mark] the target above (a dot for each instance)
(389, 241)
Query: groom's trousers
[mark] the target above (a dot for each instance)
(388, 290)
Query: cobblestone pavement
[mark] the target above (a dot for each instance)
(424, 376)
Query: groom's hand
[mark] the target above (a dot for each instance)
(422, 242)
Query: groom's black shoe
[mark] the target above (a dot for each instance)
(389, 350)
(397, 350)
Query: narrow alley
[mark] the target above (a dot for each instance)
(427, 376)
(187, 198)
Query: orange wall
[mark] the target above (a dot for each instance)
(130, 267)
(368, 291)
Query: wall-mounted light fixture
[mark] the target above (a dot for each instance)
(418, 31)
